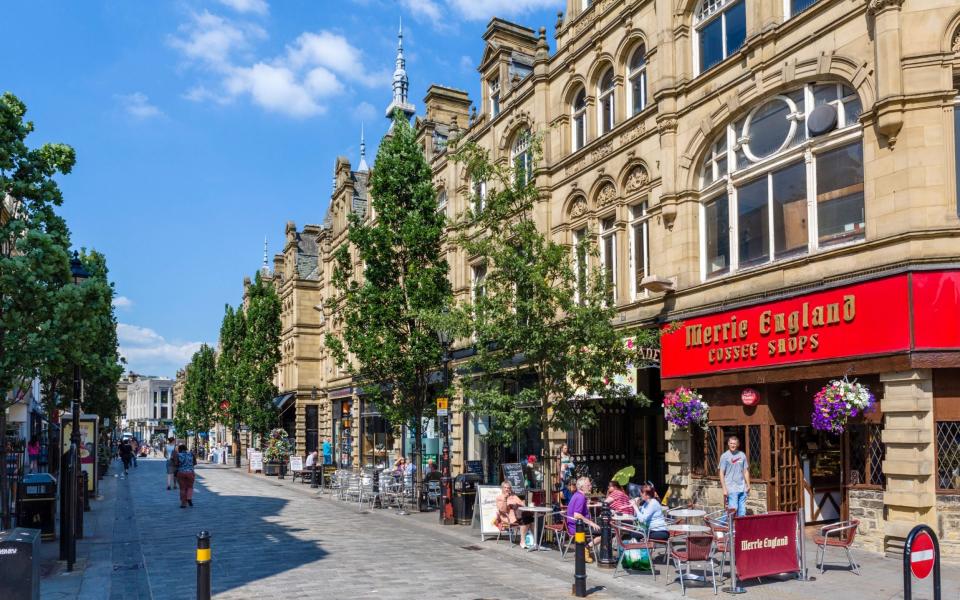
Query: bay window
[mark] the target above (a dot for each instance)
(779, 190)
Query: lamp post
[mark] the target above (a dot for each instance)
(79, 275)
(446, 491)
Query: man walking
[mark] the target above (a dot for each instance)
(126, 454)
(735, 476)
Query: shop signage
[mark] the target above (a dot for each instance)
(256, 461)
(442, 404)
(765, 544)
(485, 510)
(513, 472)
(858, 320)
(296, 463)
(749, 397)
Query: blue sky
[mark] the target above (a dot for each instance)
(202, 127)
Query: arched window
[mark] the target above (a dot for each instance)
(637, 74)
(442, 201)
(720, 28)
(784, 180)
(579, 113)
(522, 158)
(606, 113)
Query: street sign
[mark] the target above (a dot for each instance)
(442, 407)
(922, 555)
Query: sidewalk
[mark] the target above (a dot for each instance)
(109, 562)
(881, 577)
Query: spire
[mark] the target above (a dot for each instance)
(264, 269)
(363, 153)
(401, 85)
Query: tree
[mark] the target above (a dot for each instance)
(198, 408)
(230, 378)
(260, 355)
(34, 262)
(389, 315)
(537, 318)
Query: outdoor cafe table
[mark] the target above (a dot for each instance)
(539, 512)
(687, 513)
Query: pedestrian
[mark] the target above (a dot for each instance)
(577, 509)
(171, 453)
(135, 447)
(735, 476)
(33, 452)
(126, 455)
(185, 475)
(327, 451)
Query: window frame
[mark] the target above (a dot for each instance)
(605, 96)
(521, 149)
(700, 22)
(479, 196)
(578, 119)
(609, 270)
(634, 73)
(581, 264)
(639, 223)
(493, 94)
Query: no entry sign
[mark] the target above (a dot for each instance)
(922, 555)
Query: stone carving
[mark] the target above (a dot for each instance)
(601, 152)
(956, 42)
(578, 208)
(667, 125)
(637, 178)
(633, 134)
(876, 6)
(607, 195)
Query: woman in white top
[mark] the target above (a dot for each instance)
(650, 513)
(168, 451)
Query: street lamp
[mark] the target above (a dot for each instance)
(79, 274)
(446, 495)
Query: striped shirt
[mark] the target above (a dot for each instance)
(620, 502)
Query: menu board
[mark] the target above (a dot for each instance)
(256, 461)
(485, 510)
(475, 467)
(513, 472)
(296, 463)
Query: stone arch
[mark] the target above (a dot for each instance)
(628, 44)
(573, 85)
(950, 44)
(577, 206)
(634, 177)
(603, 62)
(518, 121)
(842, 69)
(604, 193)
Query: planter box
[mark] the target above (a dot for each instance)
(271, 468)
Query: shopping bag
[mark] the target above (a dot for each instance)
(529, 541)
(636, 559)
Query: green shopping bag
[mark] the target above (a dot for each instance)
(637, 559)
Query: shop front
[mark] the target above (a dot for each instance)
(341, 403)
(376, 437)
(760, 365)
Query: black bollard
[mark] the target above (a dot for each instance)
(606, 560)
(283, 469)
(203, 565)
(313, 482)
(580, 562)
(86, 491)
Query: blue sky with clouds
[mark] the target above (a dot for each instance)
(201, 127)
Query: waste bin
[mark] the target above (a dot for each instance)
(464, 497)
(20, 564)
(38, 504)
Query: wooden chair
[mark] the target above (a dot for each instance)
(837, 535)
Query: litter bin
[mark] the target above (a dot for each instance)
(38, 504)
(464, 497)
(20, 564)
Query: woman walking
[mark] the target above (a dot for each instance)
(185, 475)
(170, 451)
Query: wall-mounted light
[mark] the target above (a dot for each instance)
(657, 284)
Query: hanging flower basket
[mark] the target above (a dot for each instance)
(684, 407)
(839, 401)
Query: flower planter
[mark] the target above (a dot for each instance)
(271, 468)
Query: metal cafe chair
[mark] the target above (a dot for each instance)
(433, 494)
(557, 525)
(837, 535)
(640, 543)
(693, 548)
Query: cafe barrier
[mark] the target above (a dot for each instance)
(766, 544)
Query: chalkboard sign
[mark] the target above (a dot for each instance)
(475, 467)
(256, 461)
(513, 472)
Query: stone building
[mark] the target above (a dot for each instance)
(150, 405)
(779, 178)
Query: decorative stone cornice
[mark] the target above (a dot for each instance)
(878, 6)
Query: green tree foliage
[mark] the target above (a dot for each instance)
(389, 314)
(229, 379)
(198, 408)
(260, 355)
(546, 349)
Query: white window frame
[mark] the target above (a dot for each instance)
(442, 200)
(701, 20)
(579, 236)
(478, 275)
(521, 149)
(639, 233)
(478, 198)
(493, 91)
(578, 114)
(611, 234)
(634, 74)
(604, 96)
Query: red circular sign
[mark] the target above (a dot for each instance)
(749, 397)
(922, 555)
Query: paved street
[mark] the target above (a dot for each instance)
(275, 538)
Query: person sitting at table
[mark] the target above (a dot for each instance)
(650, 513)
(577, 509)
(431, 473)
(507, 513)
(618, 500)
(311, 464)
(570, 490)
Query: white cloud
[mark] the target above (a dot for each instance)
(468, 63)
(365, 112)
(259, 7)
(424, 9)
(138, 106)
(122, 302)
(297, 83)
(482, 10)
(148, 351)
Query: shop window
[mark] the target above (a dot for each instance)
(522, 156)
(608, 257)
(755, 181)
(720, 28)
(579, 115)
(867, 452)
(948, 455)
(697, 451)
(754, 452)
(638, 247)
(606, 114)
(637, 74)
(711, 453)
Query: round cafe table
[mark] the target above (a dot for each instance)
(687, 513)
(539, 512)
(624, 517)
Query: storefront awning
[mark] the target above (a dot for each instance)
(284, 401)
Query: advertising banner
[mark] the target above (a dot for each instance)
(766, 544)
(88, 445)
(485, 511)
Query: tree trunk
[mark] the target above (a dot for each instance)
(546, 455)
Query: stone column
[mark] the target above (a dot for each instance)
(677, 458)
(910, 494)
